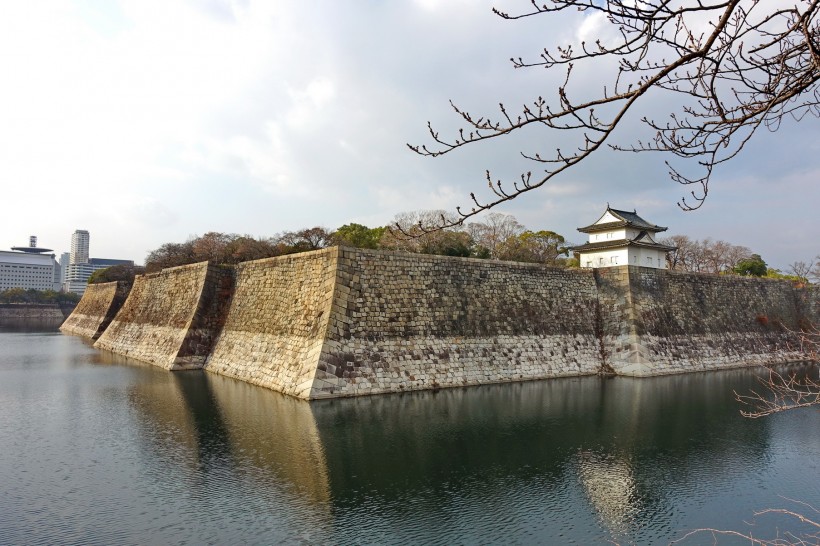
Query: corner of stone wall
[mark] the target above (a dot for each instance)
(326, 380)
(621, 350)
(216, 291)
(97, 308)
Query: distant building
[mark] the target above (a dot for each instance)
(620, 237)
(29, 267)
(65, 259)
(80, 243)
(80, 266)
(77, 275)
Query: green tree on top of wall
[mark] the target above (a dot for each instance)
(358, 235)
(753, 266)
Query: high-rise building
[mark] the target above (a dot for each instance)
(80, 266)
(80, 240)
(65, 259)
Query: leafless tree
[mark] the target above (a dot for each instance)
(736, 64)
(704, 256)
(416, 231)
(495, 232)
(814, 274)
(802, 270)
(306, 239)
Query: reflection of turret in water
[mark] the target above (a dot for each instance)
(609, 486)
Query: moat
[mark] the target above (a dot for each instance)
(98, 449)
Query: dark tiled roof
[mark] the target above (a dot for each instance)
(617, 243)
(627, 219)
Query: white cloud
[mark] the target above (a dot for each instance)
(146, 120)
(309, 105)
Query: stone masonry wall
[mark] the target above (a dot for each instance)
(403, 322)
(97, 308)
(277, 321)
(171, 318)
(31, 315)
(348, 322)
(658, 322)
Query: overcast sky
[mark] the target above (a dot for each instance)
(146, 122)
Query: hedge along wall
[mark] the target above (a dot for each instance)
(172, 317)
(97, 308)
(659, 322)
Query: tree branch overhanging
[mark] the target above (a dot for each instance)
(752, 64)
(782, 392)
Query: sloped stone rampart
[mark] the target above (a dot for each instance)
(277, 321)
(349, 322)
(658, 322)
(172, 317)
(403, 322)
(97, 308)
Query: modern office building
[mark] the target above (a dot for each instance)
(80, 266)
(80, 243)
(29, 267)
(65, 259)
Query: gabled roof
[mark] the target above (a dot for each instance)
(643, 239)
(625, 219)
(619, 243)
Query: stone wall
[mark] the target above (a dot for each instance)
(277, 321)
(348, 322)
(97, 308)
(22, 316)
(404, 322)
(172, 317)
(657, 322)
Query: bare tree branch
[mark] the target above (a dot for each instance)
(752, 64)
(786, 392)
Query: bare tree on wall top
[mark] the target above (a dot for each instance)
(738, 64)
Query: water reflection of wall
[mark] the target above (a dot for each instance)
(214, 424)
(594, 446)
(273, 431)
(616, 439)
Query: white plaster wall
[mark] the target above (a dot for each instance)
(619, 254)
(611, 235)
(641, 256)
(644, 257)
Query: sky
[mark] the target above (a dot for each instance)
(152, 121)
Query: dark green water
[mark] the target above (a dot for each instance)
(95, 449)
